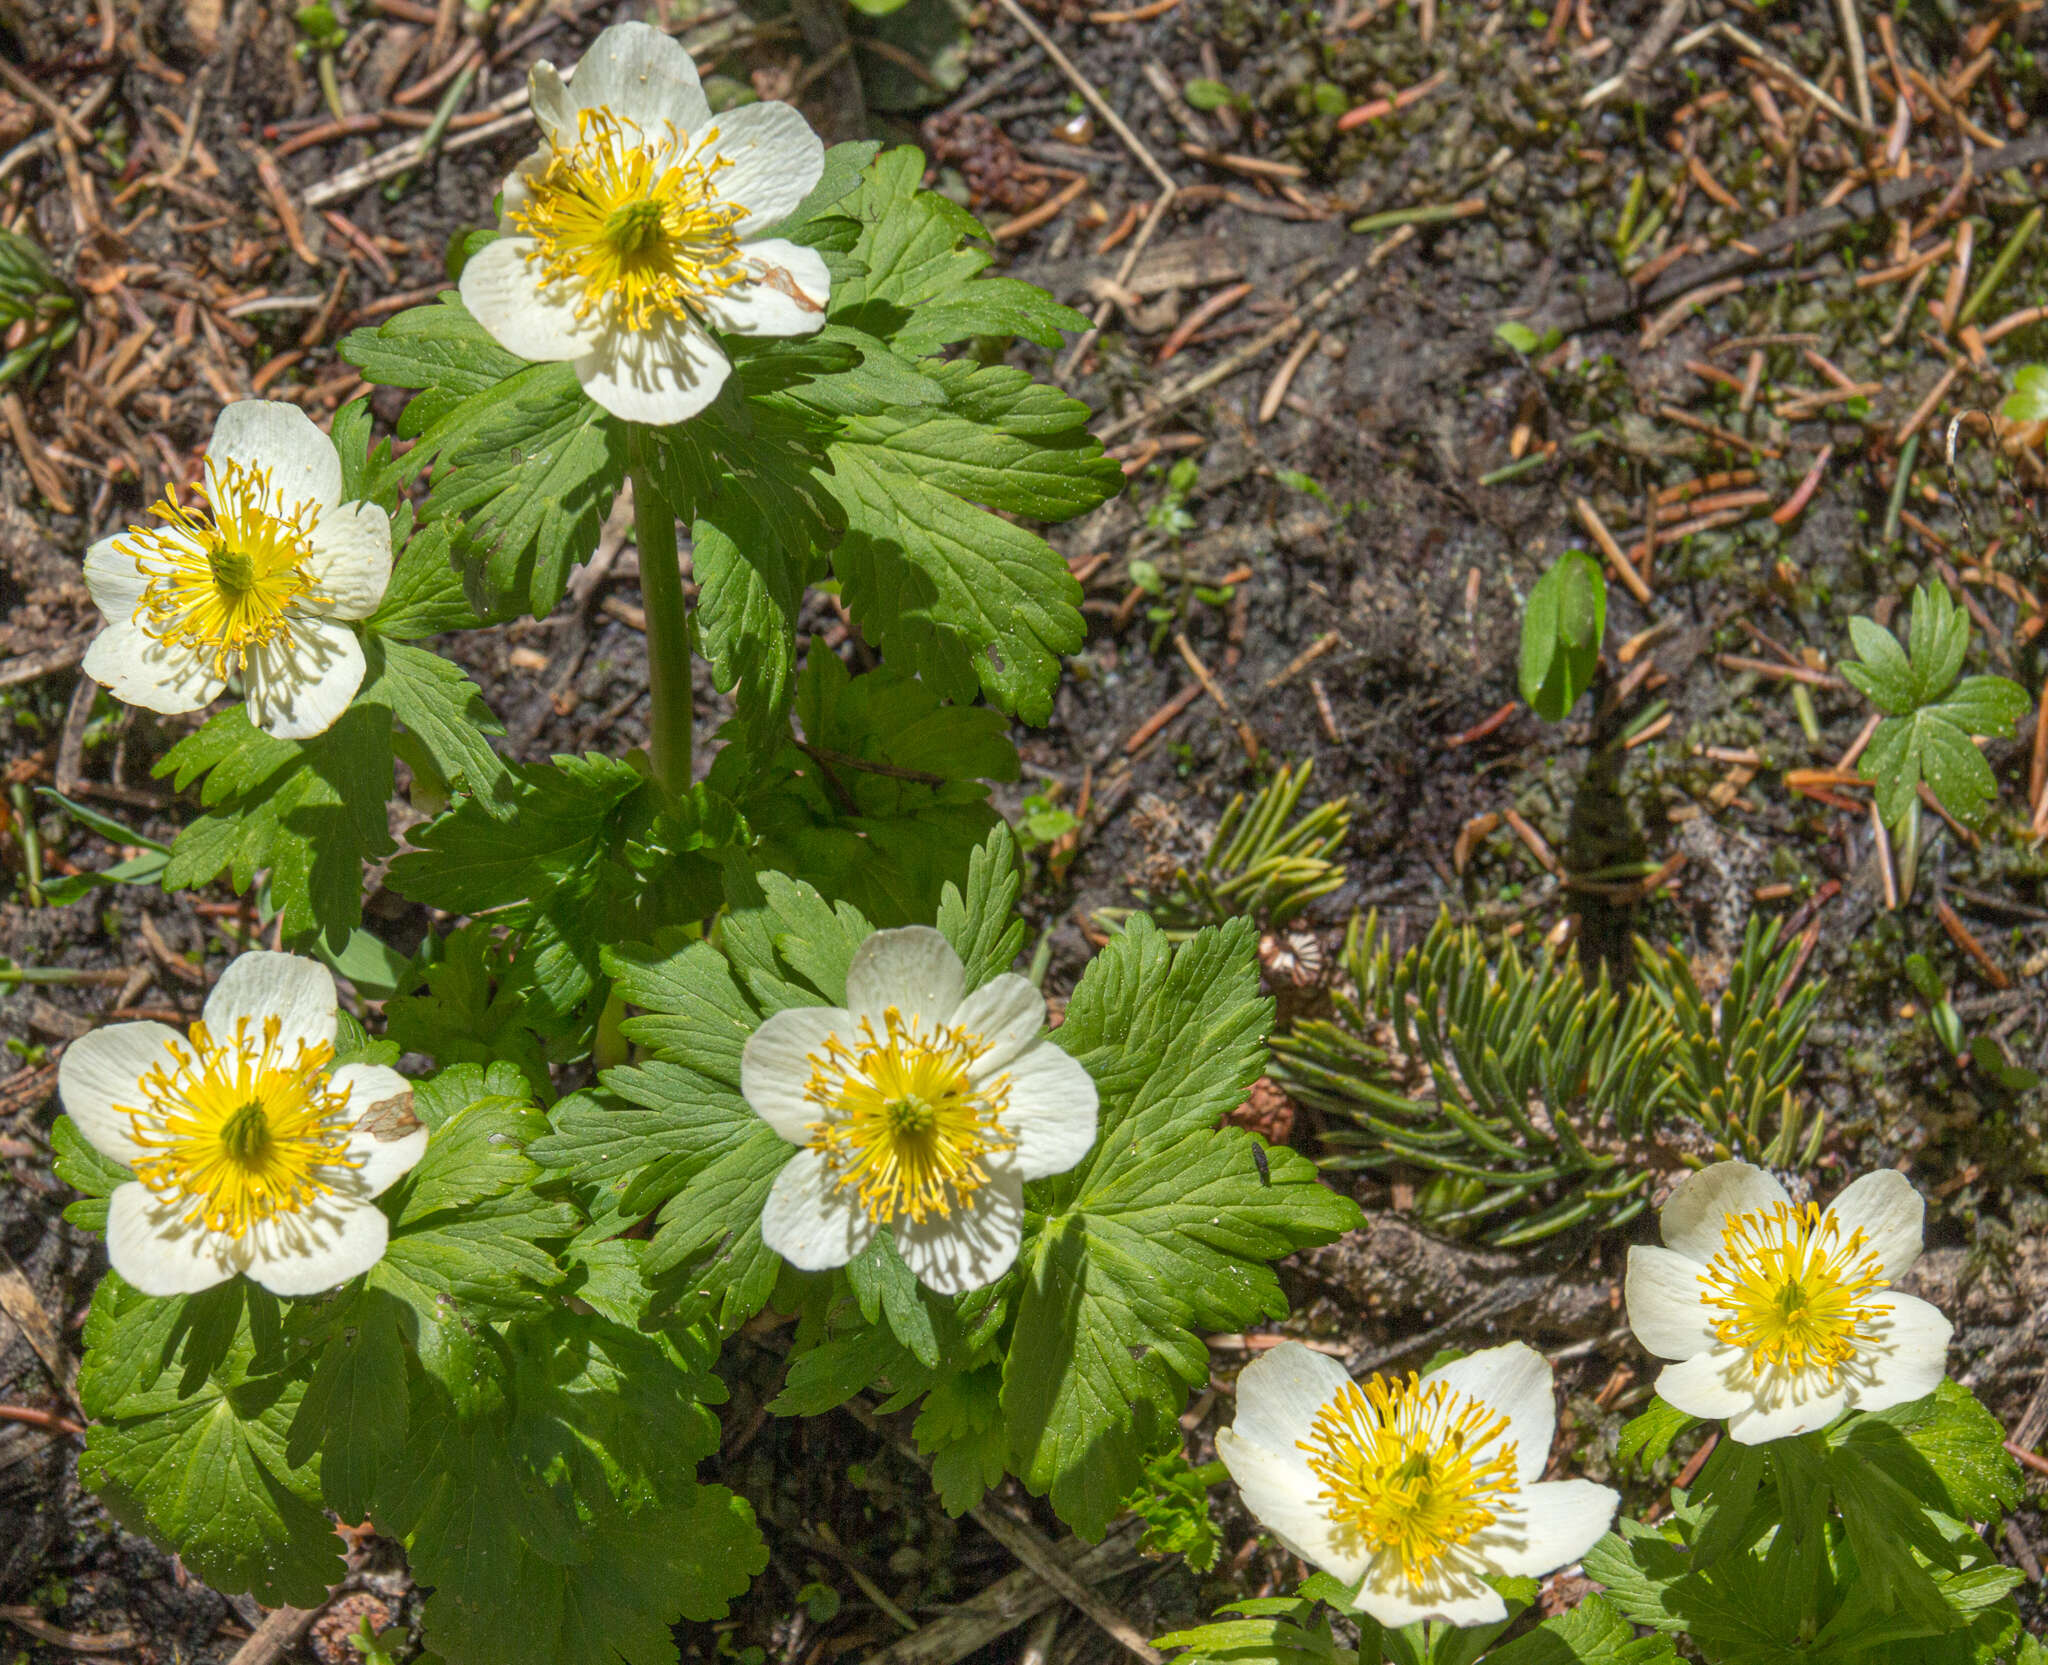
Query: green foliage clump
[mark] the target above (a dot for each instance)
(1537, 1100)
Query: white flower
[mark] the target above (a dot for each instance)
(250, 1154)
(630, 234)
(1417, 1492)
(920, 1107)
(253, 578)
(1776, 1314)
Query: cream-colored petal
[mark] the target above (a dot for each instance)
(1785, 1406)
(317, 1248)
(1710, 1385)
(1515, 1381)
(1006, 1014)
(776, 1066)
(809, 1220)
(972, 1246)
(1550, 1525)
(1890, 1214)
(102, 1071)
(786, 293)
(300, 684)
(1908, 1358)
(1692, 1219)
(1280, 1492)
(270, 434)
(642, 76)
(134, 666)
(298, 992)
(913, 969)
(1052, 1110)
(156, 1251)
(114, 579)
(350, 563)
(776, 158)
(1666, 1303)
(553, 104)
(379, 1162)
(515, 195)
(659, 376)
(504, 292)
(1278, 1396)
(1452, 1591)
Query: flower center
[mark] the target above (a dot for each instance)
(634, 223)
(1791, 1289)
(902, 1122)
(223, 572)
(1409, 1468)
(239, 1131)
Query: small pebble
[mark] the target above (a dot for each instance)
(1076, 130)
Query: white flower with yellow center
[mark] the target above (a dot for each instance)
(1781, 1316)
(1415, 1492)
(250, 576)
(633, 233)
(919, 1107)
(251, 1153)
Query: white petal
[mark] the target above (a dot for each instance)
(1278, 1396)
(1890, 1214)
(1711, 1385)
(784, 296)
(504, 293)
(270, 434)
(317, 1248)
(1514, 1380)
(642, 76)
(1006, 1013)
(134, 666)
(912, 968)
(1448, 1591)
(297, 991)
(150, 1246)
(1052, 1111)
(963, 1250)
(1692, 1219)
(300, 684)
(776, 159)
(1909, 1358)
(1786, 1406)
(103, 1070)
(776, 1066)
(378, 1162)
(809, 1220)
(1280, 1492)
(1665, 1304)
(350, 562)
(516, 193)
(1550, 1526)
(553, 104)
(114, 579)
(661, 375)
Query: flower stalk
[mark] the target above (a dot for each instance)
(669, 632)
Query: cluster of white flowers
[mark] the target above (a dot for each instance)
(1418, 1494)
(629, 240)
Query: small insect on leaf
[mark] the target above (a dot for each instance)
(1259, 1161)
(389, 1118)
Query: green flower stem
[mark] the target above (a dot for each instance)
(668, 624)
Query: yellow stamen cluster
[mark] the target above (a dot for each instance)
(634, 223)
(1792, 1289)
(1411, 1469)
(224, 571)
(902, 1121)
(238, 1130)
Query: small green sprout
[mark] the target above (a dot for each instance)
(38, 314)
(1561, 634)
